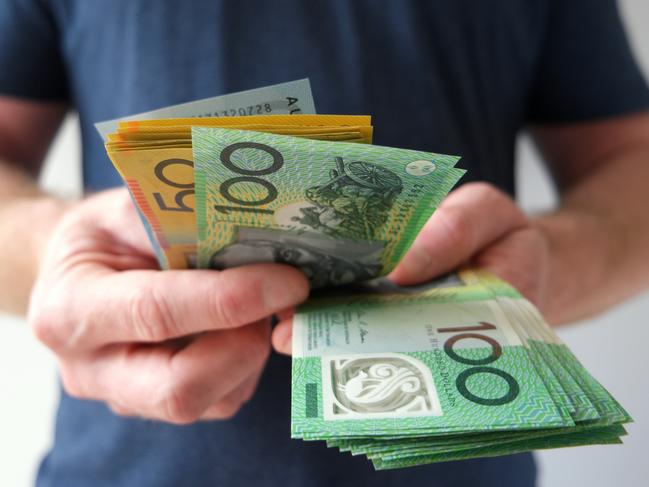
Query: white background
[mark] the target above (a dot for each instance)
(613, 347)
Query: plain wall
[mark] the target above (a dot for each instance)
(612, 346)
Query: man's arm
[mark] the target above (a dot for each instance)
(587, 255)
(580, 259)
(176, 346)
(27, 216)
(599, 236)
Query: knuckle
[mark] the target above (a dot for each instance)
(177, 409)
(149, 315)
(248, 393)
(226, 409)
(48, 320)
(71, 384)
(178, 405)
(119, 410)
(44, 327)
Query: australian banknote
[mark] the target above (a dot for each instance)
(460, 368)
(155, 159)
(292, 97)
(341, 212)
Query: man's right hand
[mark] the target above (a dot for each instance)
(176, 346)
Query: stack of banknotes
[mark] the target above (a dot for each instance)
(186, 185)
(463, 367)
(460, 368)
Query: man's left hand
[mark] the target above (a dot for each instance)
(479, 225)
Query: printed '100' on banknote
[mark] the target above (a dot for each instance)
(161, 179)
(341, 212)
(419, 365)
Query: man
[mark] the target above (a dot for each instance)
(146, 405)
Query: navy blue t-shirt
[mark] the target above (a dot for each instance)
(453, 76)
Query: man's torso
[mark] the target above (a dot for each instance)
(449, 76)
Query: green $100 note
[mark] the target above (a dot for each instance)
(451, 369)
(413, 366)
(341, 212)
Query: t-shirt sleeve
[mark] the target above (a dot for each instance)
(586, 69)
(31, 65)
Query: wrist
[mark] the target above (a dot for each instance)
(27, 224)
(47, 212)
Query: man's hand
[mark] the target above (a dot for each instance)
(587, 255)
(479, 225)
(177, 346)
(476, 224)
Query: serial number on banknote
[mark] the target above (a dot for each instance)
(259, 109)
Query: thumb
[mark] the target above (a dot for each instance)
(468, 220)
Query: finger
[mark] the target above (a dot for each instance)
(521, 259)
(199, 389)
(229, 405)
(118, 212)
(282, 336)
(106, 223)
(470, 218)
(120, 410)
(152, 306)
(163, 383)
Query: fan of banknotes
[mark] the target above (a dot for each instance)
(460, 368)
(463, 367)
